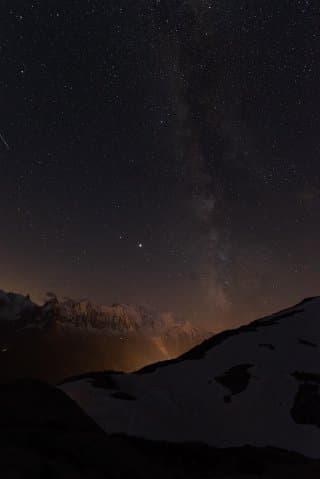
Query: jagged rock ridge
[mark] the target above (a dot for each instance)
(67, 337)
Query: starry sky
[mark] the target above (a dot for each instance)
(164, 152)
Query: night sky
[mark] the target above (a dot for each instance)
(163, 152)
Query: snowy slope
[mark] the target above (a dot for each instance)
(257, 385)
(46, 435)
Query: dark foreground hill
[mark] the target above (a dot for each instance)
(43, 434)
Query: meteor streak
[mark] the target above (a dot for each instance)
(4, 141)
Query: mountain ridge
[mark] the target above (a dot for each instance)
(117, 318)
(74, 337)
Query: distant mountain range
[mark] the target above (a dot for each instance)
(67, 337)
(257, 386)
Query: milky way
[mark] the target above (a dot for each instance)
(162, 152)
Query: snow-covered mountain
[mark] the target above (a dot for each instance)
(118, 319)
(253, 386)
(64, 337)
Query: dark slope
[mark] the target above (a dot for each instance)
(43, 434)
